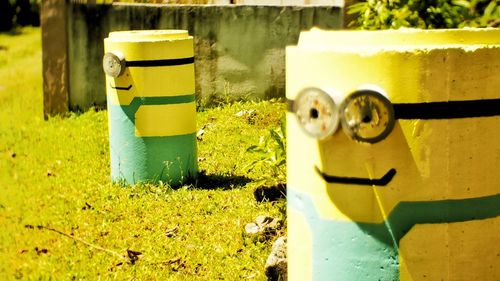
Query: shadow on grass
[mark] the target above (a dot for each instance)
(270, 193)
(220, 181)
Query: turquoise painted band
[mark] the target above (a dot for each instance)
(170, 159)
(137, 102)
(352, 250)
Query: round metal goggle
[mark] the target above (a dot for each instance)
(113, 64)
(365, 115)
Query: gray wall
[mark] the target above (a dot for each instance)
(239, 50)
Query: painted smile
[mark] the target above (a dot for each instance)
(358, 181)
(121, 88)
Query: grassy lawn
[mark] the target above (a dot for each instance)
(61, 217)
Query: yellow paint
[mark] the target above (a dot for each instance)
(150, 35)
(424, 152)
(152, 118)
(434, 159)
(165, 120)
(175, 81)
(403, 39)
(157, 81)
(456, 251)
(149, 45)
(300, 253)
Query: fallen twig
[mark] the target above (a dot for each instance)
(94, 246)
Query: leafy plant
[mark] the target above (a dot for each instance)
(489, 13)
(271, 151)
(393, 14)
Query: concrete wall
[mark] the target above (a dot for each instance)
(240, 50)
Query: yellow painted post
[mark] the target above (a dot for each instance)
(151, 104)
(393, 155)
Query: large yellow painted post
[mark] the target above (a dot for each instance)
(394, 155)
(151, 104)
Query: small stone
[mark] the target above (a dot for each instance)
(240, 113)
(263, 220)
(268, 225)
(264, 227)
(199, 134)
(276, 264)
(275, 224)
(244, 112)
(252, 228)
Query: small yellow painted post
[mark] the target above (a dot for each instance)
(151, 104)
(394, 155)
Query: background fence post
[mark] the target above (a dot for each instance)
(55, 58)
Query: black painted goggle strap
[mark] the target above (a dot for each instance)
(447, 110)
(154, 63)
(290, 105)
(440, 110)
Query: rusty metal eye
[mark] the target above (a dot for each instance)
(316, 113)
(113, 64)
(367, 116)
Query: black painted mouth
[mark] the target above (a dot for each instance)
(121, 88)
(359, 181)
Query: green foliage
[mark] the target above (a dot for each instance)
(6, 15)
(271, 151)
(15, 13)
(393, 14)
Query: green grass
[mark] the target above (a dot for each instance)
(55, 174)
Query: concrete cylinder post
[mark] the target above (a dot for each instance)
(393, 155)
(150, 89)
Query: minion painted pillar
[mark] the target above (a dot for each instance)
(151, 105)
(394, 155)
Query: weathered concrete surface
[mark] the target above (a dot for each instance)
(240, 50)
(54, 43)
